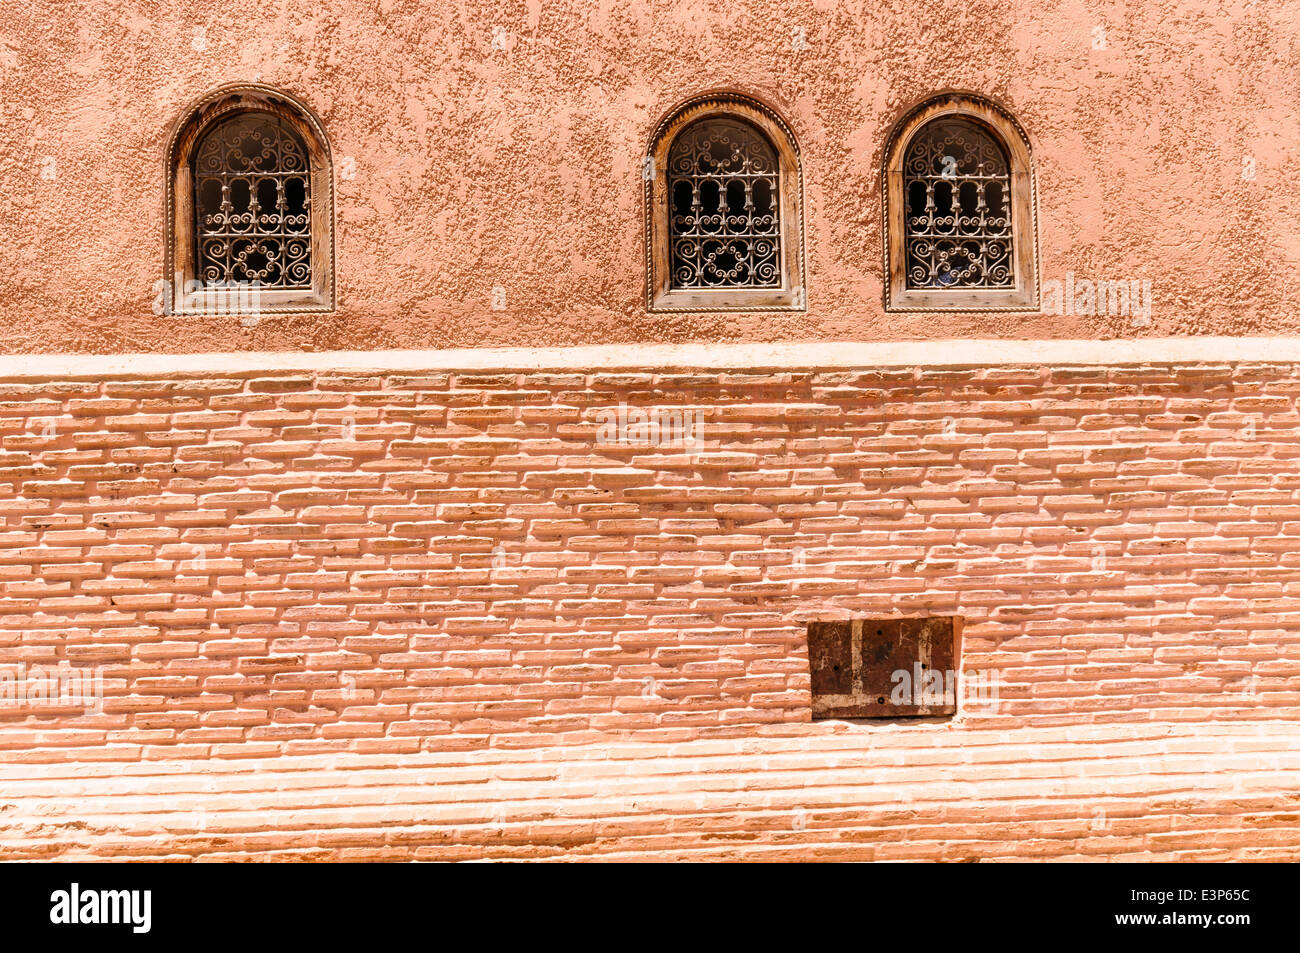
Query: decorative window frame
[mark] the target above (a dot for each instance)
(660, 296)
(1023, 200)
(180, 270)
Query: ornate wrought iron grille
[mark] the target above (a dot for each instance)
(957, 202)
(252, 185)
(724, 207)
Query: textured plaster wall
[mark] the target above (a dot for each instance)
(460, 167)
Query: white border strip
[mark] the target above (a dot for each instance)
(665, 357)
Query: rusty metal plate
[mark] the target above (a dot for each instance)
(883, 668)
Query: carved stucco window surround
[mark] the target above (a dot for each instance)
(250, 204)
(959, 209)
(724, 215)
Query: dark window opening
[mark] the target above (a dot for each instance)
(883, 668)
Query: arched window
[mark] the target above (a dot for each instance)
(250, 206)
(252, 203)
(959, 210)
(723, 227)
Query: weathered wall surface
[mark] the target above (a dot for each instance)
(370, 611)
(460, 167)
(1204, 792)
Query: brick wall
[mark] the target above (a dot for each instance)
(402, 561)
(388, 561)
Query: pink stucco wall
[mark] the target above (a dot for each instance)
(460, 167)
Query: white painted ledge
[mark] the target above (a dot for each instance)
(664, 357)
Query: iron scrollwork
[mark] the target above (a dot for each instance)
(252, 204)
(957, 202)
(724, 207)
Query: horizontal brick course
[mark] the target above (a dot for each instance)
(788, 792)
